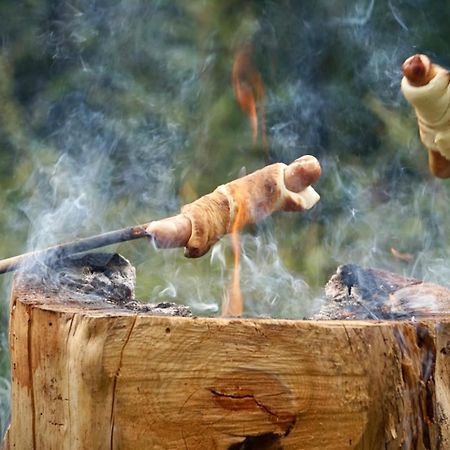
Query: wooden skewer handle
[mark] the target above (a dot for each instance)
(80, 245)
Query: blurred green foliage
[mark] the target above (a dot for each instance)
(134, 98)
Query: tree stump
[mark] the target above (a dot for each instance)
(91, 372)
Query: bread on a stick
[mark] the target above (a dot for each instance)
(241, 202)
(427, 87)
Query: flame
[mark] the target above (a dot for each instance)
(233, 304)
(402, 256)
(249, 91)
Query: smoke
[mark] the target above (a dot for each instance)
(404, 213)
(128, 113)
(110, 138)
(268, 287)
(360, 15)
(101, 162)
(138, 118)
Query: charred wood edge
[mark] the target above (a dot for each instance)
(354, 288)
(61, 251)
(372, 283)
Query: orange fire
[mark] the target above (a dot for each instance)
(402, 256)
(249, 92)
(234, 304)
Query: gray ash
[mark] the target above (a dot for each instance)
(95, 278)
(160, 309)
(106, 275)
(102, 275)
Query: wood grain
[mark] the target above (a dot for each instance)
(86, 377)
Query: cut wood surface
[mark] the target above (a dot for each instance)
(88, 375)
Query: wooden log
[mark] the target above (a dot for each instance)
(355, 292)
(92, 374)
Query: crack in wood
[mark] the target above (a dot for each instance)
(186, 401)
(69, 409)
(31, 371)
(260, 405)
(70, 326)
(418, 358)
(348, 338)
(243, 396)
(427, 369)
(116, 376)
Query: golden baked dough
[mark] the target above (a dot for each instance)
(427, 87)
(246, 200)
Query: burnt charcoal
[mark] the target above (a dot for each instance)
(355, 292)
(106, 276)
(96, 280)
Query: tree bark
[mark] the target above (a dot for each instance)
(90, 374)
